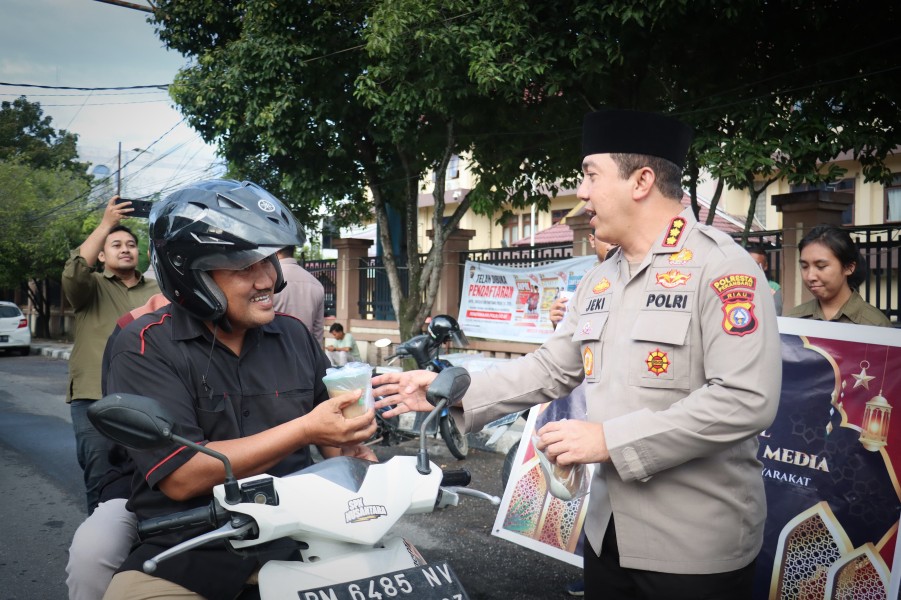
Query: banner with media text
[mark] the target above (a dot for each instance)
(833, 493)
(512, 303)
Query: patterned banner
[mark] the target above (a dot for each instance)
(833, 495)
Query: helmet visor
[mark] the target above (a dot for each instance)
(234, 260)
(459, 338)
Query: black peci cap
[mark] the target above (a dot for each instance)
(612, 131)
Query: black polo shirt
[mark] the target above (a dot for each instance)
(165, 355)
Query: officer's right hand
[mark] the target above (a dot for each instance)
(404, 391)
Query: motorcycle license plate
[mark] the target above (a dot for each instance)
(434, 581)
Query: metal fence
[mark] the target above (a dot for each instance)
(879, 244)
(375, 292)
(520, 256)
(772, 241)
(326, 271)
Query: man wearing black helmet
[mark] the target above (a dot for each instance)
(231, 373)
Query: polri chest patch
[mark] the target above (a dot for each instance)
(672, 278)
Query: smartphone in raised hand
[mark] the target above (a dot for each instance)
(141, 207)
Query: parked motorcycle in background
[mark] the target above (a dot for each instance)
(336, 515)
(425, 350)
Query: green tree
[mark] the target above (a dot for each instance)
(27, 137)
(38, 227)
(804, 93)
(42, 206)
(350, 105)
(286, 93)
(774, 90)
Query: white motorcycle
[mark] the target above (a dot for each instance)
(338, 513)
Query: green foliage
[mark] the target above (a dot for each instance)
(43, 201)
(283, 115)
(37, 230)
(346, 107)
(26, 137)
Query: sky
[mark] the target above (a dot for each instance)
(90, 44)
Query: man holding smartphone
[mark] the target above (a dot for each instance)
(99, 298)
(140, 209)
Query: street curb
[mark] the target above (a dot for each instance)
(51, 352)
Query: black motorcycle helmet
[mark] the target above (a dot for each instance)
(444, 327)
(216, 224)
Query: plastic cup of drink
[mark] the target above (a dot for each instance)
(353, 376)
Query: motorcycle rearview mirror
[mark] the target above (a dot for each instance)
(382, 343)
(140, 423)
(447, 389)
(133, 421)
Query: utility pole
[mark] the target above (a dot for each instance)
(119, 172)
(130, 5)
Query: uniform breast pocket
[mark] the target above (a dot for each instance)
(660, 350)
(268, 410)
(589, 334)
(216, 416)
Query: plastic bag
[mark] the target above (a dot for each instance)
(563, 482)
(352, 376)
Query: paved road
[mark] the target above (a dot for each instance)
(489, 567)
(42, 502)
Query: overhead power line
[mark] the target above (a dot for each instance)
(162, 86)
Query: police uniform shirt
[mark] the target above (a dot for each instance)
(682, 363)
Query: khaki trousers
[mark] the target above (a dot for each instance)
(135, 585)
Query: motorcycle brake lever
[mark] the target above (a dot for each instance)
(475, 493)
(224, 532)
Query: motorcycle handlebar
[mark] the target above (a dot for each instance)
(211, 515)
(456, 478)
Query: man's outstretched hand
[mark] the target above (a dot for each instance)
(404, 391)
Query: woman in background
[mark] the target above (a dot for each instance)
(833, 269)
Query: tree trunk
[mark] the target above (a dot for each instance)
(752, 205)
(714, 202)
(42, 306)
(424, 279)
(693, 175)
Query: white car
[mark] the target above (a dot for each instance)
(14, 331)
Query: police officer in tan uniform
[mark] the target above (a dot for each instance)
(676, 337)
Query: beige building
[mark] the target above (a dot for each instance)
(874, 204)
(524, 223)
(870, 204)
